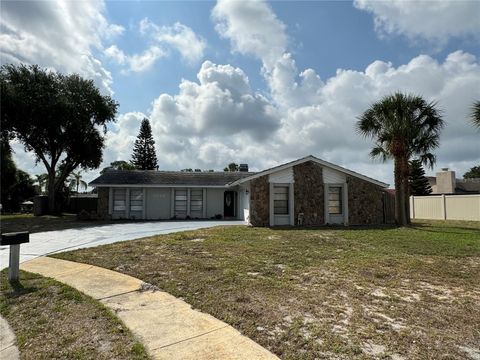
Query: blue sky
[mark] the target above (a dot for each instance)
(255, 81)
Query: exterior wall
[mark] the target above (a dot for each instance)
(103, 201)
(445, 207)
(260, 201)
(214, 203)
(331, 176)
(309, 193)
(157, 204)
(282, 177)
(365, 202)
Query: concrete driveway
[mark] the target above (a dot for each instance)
(50, 242)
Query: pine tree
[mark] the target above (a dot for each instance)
(417, 181)
(144, 157)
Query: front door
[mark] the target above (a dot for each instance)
(229, 204)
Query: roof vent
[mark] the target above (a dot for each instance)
(444, 169)
(243, 167)
(198, 170)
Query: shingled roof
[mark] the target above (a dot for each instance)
(166, 178)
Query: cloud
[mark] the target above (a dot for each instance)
(179, 37)
(59, 35)
(137, 62)
(252, 28)
(425, 19)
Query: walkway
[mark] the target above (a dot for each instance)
(8, 349)
(168, 327)
(50, 242)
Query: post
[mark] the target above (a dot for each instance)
(14, 240)
(14, 263)
(444, 208)
(412, 207)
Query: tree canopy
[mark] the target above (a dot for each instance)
(58, 117)
(118, 165)
(144, 156)
(418, 182)
(473, 173)
(232, 167)
(403, 126)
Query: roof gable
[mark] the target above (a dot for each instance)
(316, 160)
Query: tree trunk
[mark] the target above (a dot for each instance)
(52, 203)
(401, 191)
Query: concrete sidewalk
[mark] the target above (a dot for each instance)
(8, 348)
(168, 327)
(50, 242)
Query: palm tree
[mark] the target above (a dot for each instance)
(403, 126)
(475, 115)
(75, 181)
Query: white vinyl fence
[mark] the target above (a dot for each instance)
(445, 207)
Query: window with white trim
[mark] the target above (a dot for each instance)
(180, 203)
(196, 203)
(136, 200)
(119, 197)
(280, 200)
(335, 200)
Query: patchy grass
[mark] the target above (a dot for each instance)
(360, 293)
(33, 224)
(54, 321)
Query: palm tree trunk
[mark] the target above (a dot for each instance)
(399, 198)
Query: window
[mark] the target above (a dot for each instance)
(335, 200)
(181, 203)
(196, 203)
(280, 200)
(119, 199)
(136, 200)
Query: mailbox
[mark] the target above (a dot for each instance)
(16, 238)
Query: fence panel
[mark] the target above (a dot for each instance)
(445, 207)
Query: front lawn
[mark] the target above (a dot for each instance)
(339, 293)
(54, 321)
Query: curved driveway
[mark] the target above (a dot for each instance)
(50, 242)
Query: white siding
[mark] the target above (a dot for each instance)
(214, 202)
(282, 177)
(331, 176)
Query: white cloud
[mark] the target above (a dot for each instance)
(58, 35)
(252, 28)
(434, 20)
(137, 62)
(165, 38)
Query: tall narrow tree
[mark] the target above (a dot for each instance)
(144, 157)
(403, 126)
(418, 182)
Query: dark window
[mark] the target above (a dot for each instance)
(335, 200)
(280, 200)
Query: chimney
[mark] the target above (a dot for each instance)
(243, 167)
(446, 181)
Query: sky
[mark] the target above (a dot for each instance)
(257, 82)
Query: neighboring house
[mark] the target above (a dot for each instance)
(445, 182)
(308, 191)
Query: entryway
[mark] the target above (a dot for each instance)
(229, 201)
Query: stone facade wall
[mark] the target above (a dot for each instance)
(102, 206)
(365, 202)
(309, 193)
(260, 201)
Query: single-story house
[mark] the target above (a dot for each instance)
(308, 191)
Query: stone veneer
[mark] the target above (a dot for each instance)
(102, 205)
(365, 202)
(259, 201)
(309, 193)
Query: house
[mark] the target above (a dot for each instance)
(445, 182)
(308, 191)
